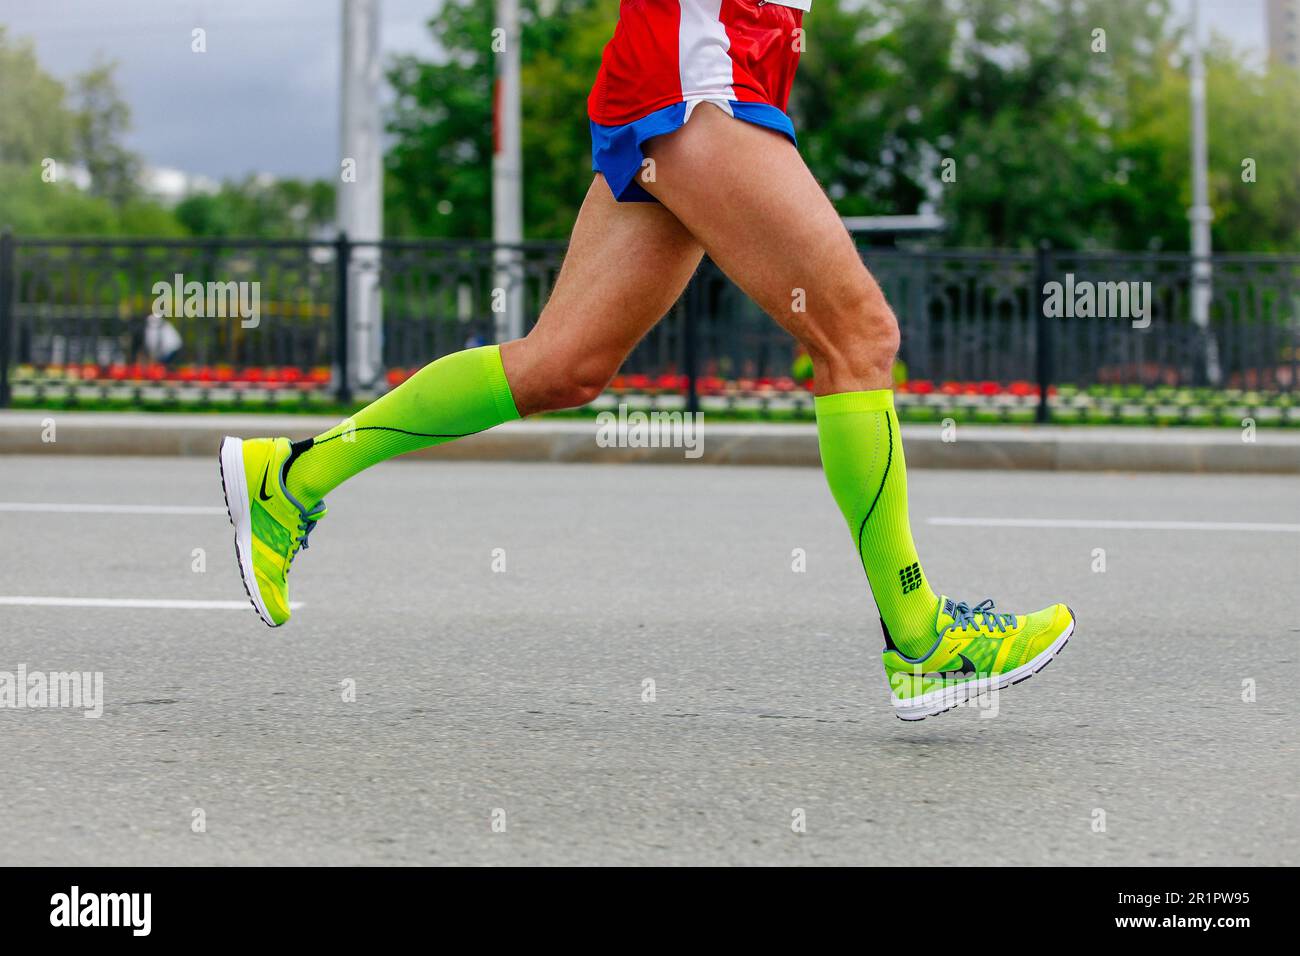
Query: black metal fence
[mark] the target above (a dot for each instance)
(1000, 335)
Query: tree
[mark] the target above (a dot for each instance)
(437, 180)
(35, 122)
(439, 169)
(102, 120)
(1006, 113)
(42, 134)
(39, 121)
(261, 207)
(556, 79)
(1257, 204)
(1254, 175)
(1053, 130)
(856, 112)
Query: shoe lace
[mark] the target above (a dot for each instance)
(981, 615)
(305, 528)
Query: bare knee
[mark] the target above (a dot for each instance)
(853, 339)
(544, 378)
(573, 389)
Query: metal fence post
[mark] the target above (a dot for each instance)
(916, 331)
(8, 284)
(342, 265)
(690, 340)
(1043, 332)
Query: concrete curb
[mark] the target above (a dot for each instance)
(574, 440)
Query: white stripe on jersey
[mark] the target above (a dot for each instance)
(703, 64)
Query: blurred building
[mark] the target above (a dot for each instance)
(1284, 32)
(169, 186)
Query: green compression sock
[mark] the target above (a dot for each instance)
(455, 396)
(862, 454)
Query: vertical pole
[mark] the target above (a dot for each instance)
(507, 171)
(342, 326)
(917, 317)
(360, 206)
(690, 337)
(1201, 214)
(8, 292)
(1044, 334)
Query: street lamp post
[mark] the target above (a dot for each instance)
(360, 205)
(1201, 215)
(507, 176)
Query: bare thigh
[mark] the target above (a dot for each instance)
(747, 196)
(625, 267)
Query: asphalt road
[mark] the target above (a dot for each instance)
(516, 696)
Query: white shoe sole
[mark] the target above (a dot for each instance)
(235, 487)
(946, 698)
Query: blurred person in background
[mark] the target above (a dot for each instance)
(160, 339)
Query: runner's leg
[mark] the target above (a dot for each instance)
(746, 195)
(625, 266)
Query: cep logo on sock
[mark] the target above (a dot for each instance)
(910, 577)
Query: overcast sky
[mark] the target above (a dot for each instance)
(264, 98)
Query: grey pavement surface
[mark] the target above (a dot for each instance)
(522, 691)
(1014, 447)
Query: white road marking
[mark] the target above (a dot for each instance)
(1117, 525)
(54, 508)
(150, 603)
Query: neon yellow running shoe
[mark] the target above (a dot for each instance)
(270, 524)
(976, 650)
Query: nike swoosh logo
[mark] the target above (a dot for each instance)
(966, 671)
(262, 494)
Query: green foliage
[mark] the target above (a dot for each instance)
(857, 111)
(556, 79)
(1050, 136)
(1255, 118)
(439, 168)
(260, 208)
(40, 123)
(35, 121)
(1251, 117)
(101, 120)
(1017, 97)
(40, 120)
(32, 207)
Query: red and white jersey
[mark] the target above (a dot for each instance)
(666, 52)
